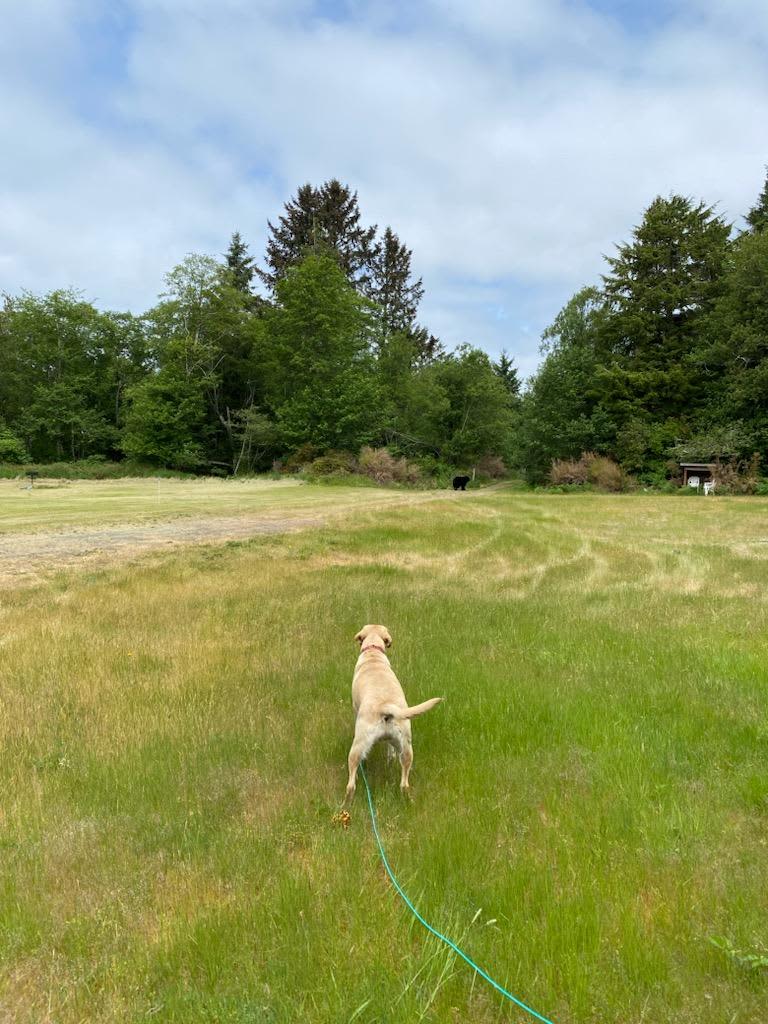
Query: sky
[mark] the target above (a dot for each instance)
(511, 144)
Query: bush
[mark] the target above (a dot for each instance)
(567, 471)
(333, 464)
(664, 478)
(492, 466)
(606, 474)
(297, 460)
(434, 472)
(381, 465)
(590, 468)
(737, 476)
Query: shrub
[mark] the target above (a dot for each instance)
(435, 472)
(590, 468)
(492, 466)
(674, 473)
(381, 465)
(567, 471)
(737, 476)
(605, 473)
(299, 459)
(333, 464)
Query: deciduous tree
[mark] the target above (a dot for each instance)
(323, 387)
(561, 414)
(205, 320)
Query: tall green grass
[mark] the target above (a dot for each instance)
(590, 802)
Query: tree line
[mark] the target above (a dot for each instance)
(668, 358)
(239, 364)
(318, 348)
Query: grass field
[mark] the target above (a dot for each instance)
(590, 802)
(87, 503)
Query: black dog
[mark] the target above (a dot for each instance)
(460, 483)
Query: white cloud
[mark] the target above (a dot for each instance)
(509, 145)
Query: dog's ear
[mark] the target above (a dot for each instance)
(387, 639)
(359, 638)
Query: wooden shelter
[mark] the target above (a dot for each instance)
(703, 470)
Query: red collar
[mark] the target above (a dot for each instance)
(372, 647)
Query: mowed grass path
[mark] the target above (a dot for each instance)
(590, 802)
(63, 504)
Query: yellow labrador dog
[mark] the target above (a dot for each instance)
(381, 710)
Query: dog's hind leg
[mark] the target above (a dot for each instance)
(357, 753)
(393, 750)
(406, 760)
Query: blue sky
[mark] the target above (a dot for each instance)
(509, 144)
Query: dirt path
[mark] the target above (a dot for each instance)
(27, 557)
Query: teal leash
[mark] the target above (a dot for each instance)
(428, 926)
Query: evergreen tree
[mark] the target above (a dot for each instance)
(240, 264)
(339, 222)
(291, 237)
(391, 288)
(427, 348)
(732, 357)
(507, 371)
(757, 218)
(662, 286)
(325, 218)
(663, 281)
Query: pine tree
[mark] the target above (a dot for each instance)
(427, 348)
(757, 218)
(664, 280)
(664, 284)
(391, 288)
(291, 237)
(507, 371)
(320, 219)
(339, 224)
(733, 351)
(240, 264)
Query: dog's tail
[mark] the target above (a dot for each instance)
(391, 711)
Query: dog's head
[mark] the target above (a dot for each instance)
(370, 632)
